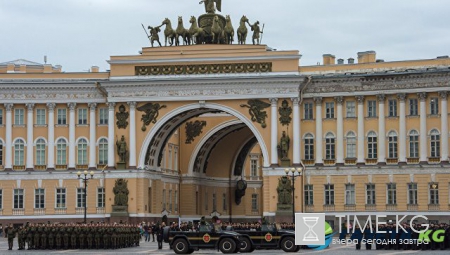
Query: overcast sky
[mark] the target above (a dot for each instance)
(78, 34)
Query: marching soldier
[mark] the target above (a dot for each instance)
(30, 230)
(44, 237)
(20, 237)
(66, 234)
(58, 235)
(73, 238)
(37, 237)
(90, 236)
(106, 238)
(82, 237)
(98, 234)
(51, 237)
(11, 233)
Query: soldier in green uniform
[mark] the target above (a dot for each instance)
(19, 237)
(90, 236)
(51, 236)
(106, 238)
(37, 237)
(98, 236)
(30, 232)
(73, 238)
(82, 237)
(11, 233)
(44, 237)
(58, 236)
(67, 231)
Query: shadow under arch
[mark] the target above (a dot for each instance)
(151, 149)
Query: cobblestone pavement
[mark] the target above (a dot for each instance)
(152, 248)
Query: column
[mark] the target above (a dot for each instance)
(132, 163)
(423, 156)
(71, 135)
(340, 132)
(8, 138)
(51, 136)
(30, 142)
(361, 154)
(402, 129)
(273, 131)
(444, 126)
(319, 140)
(92, 136)
(296, 130)
(381, 130)
(111, 135)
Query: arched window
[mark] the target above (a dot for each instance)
(82, 152)
(372, 145)
(40, 152)
(19, 147)
(103, 151)
(61, 152)
(435, 143)
(351, 145)
(413, 144)
(392, 144)
(309, 147)
(330, 146)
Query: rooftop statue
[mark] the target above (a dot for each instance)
(209, 5)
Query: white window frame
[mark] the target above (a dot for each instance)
(255, 204)
(413, 144)
(329, 110)
(63, 196)
(371, 108)
(80, 197)
(19, 116)
(350, 109)
(40, 149)
(103, 116)
(101, 197)
(39, 200)
(82, 116)
(329, 190)
(19, 153)
(83, 158)
(103, 151)
(40, 116)
(412, 187)
(61, 116)
(413, 107)
(434, 105)
(351, 144)
(371, 193)
(21, 202)
(393, 190)
(350, 195)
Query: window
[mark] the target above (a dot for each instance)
(434, 106)
(224, 201)
(40, 116)
(351, 110)
(392, 144)
(82, 152)
(413, 144)
(62, 116)
(254, 167)
(19, 116)
(351, 145)
(435, 143)
(329, 146)
(370, 194)
(308, 110)
(254, 202)
(1, 116)
(329, 110)
(39, 198)
(170, 157)
(309, 147)
(80, 198)
(175, 156)
(40, 152)
(61, 152)
(61, 198)
(176, 200)
(164, 199)
(329, 194)
(372, 145)
(412, 193)
(19, 147)
(371, 108)
(350, 194)
(170, 200)
(101, 197)
(103, 151)
(309, 195)
(392, 108)
(391, 193)
(1, 199)
(413, 107)
(18, 198)
(434, 194)
(103, 116)
(214, 202)
(1, 153)
(82, 116)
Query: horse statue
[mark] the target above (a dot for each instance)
(169, 33)
(197, 34)
(228, 31)
(216, 31)
(242, 30)
(181, 31)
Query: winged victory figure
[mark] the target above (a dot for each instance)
(209, 5)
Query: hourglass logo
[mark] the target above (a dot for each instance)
(309, 228)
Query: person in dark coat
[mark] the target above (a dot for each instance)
(159, 235)
(357, 237)
(153, 231)
(369, 236)
(343, 234)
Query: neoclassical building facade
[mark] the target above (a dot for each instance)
(370, 137)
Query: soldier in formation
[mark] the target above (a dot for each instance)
(74, 236)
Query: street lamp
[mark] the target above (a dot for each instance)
(85, 179)
(295, 172)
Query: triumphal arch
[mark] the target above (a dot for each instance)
(212, 123)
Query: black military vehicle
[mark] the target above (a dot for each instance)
(208, 237)
(268, 237)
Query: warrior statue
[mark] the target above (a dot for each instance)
(284, 190)
(122, 149)
(209, 5)
(121, 192)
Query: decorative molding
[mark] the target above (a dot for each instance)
(92, 106)
(204, 69)
(422, 96)
(381, 98)
(111, 106)
(401, 97)
(122, 117)
(339, 100)
(273, 101)
(295, 100)
(9, 107)
(132, 105)
(51, 107)
(317, 100)
(29, 106)
(443, 94)
(360, 99)
(193, 129)
(71, 106)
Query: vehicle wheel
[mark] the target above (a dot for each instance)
(246, 245)
(191, 251)
(180, 246)
(227, 245)
(298, 248)
(288, 244)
